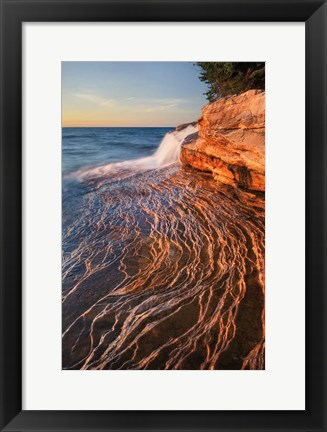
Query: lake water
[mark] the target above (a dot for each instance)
(162, 268)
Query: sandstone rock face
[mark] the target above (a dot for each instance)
(231, 141)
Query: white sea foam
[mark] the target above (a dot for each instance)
(166, 154)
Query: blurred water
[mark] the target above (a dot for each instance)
(84, 148)
(161, 267)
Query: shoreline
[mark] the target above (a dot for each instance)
(163, 262)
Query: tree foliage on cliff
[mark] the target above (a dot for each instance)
(231, 78)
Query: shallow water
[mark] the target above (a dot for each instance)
(162, 269)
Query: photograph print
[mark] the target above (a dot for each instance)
(163, 215)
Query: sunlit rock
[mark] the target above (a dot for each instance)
(231, 141)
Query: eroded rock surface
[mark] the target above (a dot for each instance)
(231, 141)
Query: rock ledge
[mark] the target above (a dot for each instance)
(231, 141)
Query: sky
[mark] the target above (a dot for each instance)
(130, 93)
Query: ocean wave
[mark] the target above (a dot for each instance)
(166, 154)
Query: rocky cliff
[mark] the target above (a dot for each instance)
(231, 141)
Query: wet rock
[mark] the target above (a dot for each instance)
(184, 125)
(191, 138)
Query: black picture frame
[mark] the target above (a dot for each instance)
(13, 14)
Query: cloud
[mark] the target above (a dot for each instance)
(160, 105)
(169, 101)
(159, 108)
(95, 99)
(145, 105)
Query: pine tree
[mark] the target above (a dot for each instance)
(226, 78)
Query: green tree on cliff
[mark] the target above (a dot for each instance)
(231, 78)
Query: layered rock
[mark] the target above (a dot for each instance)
(231, 141)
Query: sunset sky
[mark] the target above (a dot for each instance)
(130, 93)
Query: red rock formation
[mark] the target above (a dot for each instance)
(231, 141)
